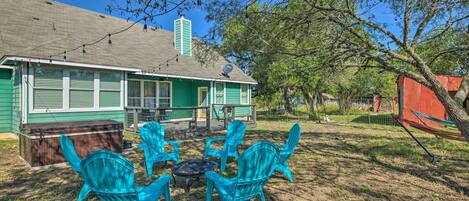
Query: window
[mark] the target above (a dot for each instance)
(109, 90)
(81, 89)
(48, 88)
(134, 94)
(164, 94)
(153, 93)
(149, 94)
(55, 89)
(219, 93)
(244, 94)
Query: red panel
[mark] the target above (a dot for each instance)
(420, 98)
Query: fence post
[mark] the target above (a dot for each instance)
(254, 115)
(196, 113)
(126, 119)
(157, 115)
(233, 113)
(135, 116)
(225, 117)
(369, 108)
(207, 116)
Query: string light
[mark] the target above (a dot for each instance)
(84, 51)
(177, 57)
(145, 26)
(50, 59)
(109, 41)
(65, 55)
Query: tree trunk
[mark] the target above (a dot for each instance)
(311, 102)
(456, 112)
(287, 100)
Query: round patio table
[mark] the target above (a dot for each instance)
(192, 169)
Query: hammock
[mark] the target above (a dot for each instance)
(431, 130)
(428, 129)
(434, 119)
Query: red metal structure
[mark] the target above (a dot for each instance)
(414, 96)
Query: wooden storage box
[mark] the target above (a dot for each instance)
(40, 143)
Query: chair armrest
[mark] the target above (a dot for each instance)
(156, 187)
(142, 146)
(209, 141)
(218, 179)
(175, 144)
(279, 146)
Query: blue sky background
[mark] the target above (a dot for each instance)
(199, 26)
(382, 14)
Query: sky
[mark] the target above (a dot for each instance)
(200, 26)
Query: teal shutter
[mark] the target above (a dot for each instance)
(109, 94)
(81, 89)
(48, 88)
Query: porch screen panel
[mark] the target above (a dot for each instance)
(48, 88)
(81, 89)
(109, 95)
(149, 94)
(165, 94)
(133, 93)
(244, 94)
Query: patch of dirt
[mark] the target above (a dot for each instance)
(332, 162)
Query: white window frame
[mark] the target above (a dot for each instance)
(224, 93)
(66, 95)
(241, 94)
(142, 90)
(121, 95)
(170, 93)
(67, 92)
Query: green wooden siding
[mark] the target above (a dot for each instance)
(233, 96)
(177, 35)
(186, 38)
(75, 116)
(182, 36)
(6, 103)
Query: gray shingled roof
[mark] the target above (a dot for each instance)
(37, 29)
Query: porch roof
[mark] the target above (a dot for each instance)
(53, 27)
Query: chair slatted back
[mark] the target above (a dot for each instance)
(255, 166)
(69, 153)
(293, 138)
(235, 134)
(152, 134)
(110, 175)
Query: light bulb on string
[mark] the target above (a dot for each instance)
(177, 57)
(109, 39)
(84, 51)
(65, 55)
(50, 59)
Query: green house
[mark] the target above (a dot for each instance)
(42, 82)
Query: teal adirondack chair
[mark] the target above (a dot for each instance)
(74, 160)
(153, 146)
(111, 177)
(234, 138)
(287, 150)
(255, 166)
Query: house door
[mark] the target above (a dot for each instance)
(202, 102)
(6, 100)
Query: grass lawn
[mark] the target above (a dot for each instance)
(333, 162)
